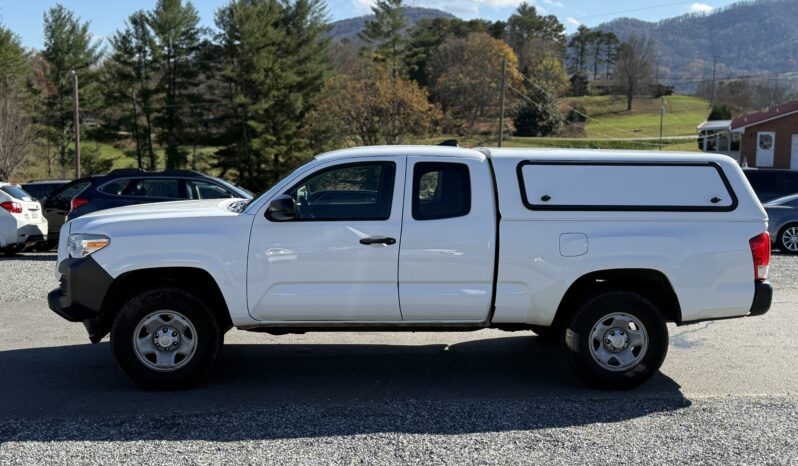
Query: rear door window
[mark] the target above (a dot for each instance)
(158, 188)
(441, 190)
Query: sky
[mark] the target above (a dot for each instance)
(24, 17)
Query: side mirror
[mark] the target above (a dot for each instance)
(281, 209)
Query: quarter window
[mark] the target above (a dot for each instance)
(204, 190)
(441, 190)
(362, 191)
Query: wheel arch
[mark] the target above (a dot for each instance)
(129, 284)
(650, 283)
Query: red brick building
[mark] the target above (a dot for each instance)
(769, 139)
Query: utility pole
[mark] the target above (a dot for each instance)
(501, 104)
(76, 121)
(661, 118)
(714, 67)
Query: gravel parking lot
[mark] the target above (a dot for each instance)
(728, 393)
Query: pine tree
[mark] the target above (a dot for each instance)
(68, 47)
(274, 69)
(16, 132)
(177, 34)
(386, 34)
(128, 86)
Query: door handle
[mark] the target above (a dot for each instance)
(378, 240)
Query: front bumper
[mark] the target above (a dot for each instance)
(84, 284)
(763, 296)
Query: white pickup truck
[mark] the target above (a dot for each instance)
(596, 249)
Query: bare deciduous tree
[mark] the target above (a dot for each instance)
(634, 66)
(16, 137)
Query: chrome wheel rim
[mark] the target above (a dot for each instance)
(165, 341)
(618, 342)
(789, 238)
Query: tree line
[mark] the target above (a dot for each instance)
(268, 88)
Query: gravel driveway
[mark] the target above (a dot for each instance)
(728, 393)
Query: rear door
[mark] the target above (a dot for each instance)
(448, 246)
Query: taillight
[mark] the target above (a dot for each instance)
(77, 202)
(760, 250)
(13, 207)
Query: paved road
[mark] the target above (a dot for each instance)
(728, 393)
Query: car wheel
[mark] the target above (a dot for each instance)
(12, 250)
(166, 339)
(788, 239)
(617, 340)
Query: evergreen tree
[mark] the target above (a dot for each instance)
(68, 47)
(525, 24)
(609, 42)
(538, 116)
(177, 34)
(128, 90)
(579, 45)
(386, 34)
(275, 68)
(425, 37)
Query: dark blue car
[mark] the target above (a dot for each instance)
(128, 187)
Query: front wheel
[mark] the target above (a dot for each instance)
(166, 339)
(788, 239)
(617, 340)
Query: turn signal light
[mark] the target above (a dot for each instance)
(760, 250)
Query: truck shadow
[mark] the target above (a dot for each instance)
(270, 391)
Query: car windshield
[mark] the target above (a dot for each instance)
(16, 192)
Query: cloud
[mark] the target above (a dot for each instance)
(573, 21)
(556, 3)
(700, 8)
(362, 6)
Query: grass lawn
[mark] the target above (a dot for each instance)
(611, 120)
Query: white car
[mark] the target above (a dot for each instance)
(21, 219)
(598, 249)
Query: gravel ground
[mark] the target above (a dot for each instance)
(708, 431)
(728, 394)
(27, 277)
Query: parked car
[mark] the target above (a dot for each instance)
(21, 219)
(770, 184)
(596, 248)
(130, 187)
(41, 188)
(783, 223)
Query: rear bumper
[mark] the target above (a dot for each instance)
(32, 233)
(763, 296)
(83, 287)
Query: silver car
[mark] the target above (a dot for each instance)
(783, 223)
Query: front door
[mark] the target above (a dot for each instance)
(338, 260)
(765, 146)
(794, 153)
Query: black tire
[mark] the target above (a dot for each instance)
(577, 339)
(12, 250)
(780, 239)
(209, 338)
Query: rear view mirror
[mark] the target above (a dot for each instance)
(281, 209)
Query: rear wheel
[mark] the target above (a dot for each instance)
(788, 239)
(617, 340)
(166, 339)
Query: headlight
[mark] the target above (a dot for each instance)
(83, 245)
